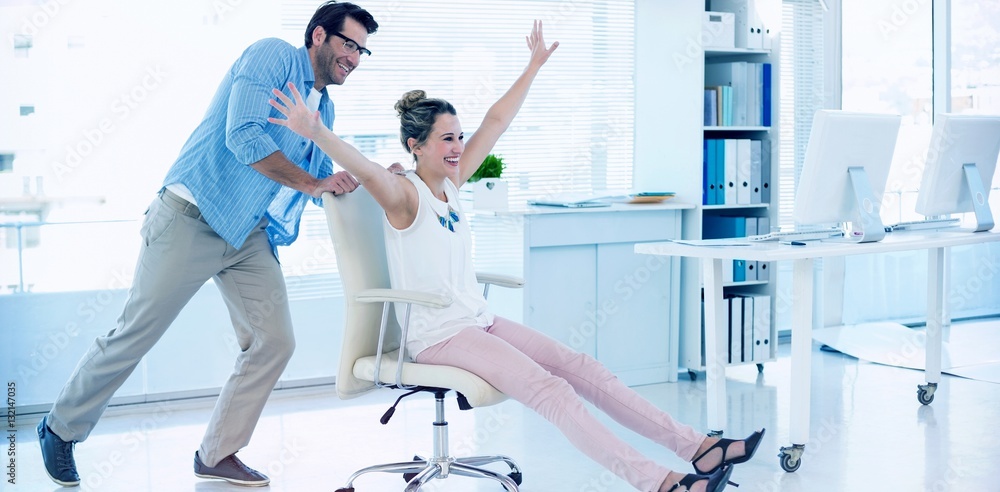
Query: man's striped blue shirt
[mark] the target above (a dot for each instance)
(215, 162)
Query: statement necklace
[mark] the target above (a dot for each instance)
(450, 221)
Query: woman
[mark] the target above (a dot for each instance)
(429, 249)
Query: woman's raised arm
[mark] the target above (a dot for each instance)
(394, 193)
(502, 112)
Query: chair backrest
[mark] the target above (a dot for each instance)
(356, 220)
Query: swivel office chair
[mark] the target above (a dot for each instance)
(372, 355)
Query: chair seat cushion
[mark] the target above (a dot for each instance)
(476, 390)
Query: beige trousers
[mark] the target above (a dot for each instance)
(180, 252)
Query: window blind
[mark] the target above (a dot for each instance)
(574, 133)
(802, 87)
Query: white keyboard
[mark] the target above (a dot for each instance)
(797, 235)
(921, 225)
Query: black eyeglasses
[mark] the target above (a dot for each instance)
(351, 45)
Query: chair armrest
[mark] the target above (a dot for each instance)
(407, 297)
(404, 296)
(508, 281)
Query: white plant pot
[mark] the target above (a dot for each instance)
(490, 194)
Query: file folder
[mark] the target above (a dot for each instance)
(765, 171)
(730, 171)
(745, 21)
(735, 309)
(711, 180)
(734, 76)
(761, 328)
(751, 266)
(743, 194)
(747, 335)
(763, 270)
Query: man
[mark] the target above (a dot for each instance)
(235, 193)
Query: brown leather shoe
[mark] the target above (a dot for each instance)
(232, 470)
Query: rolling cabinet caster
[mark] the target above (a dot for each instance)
(791, 457)
(925, 393)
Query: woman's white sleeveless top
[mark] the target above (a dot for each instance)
(429, 257)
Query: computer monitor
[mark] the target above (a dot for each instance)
(960, 164)
(844, 173)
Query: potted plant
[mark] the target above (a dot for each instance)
(489, 192)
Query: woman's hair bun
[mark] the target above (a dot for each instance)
(409, 100)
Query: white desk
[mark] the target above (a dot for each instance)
(586, 287)
(802, 309)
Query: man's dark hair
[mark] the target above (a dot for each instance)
(331, 16)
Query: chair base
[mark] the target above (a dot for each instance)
(423, 471)
(419, 471)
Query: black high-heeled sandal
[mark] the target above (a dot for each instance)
(716, 481)
(750, 447)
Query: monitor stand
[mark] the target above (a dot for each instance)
(984, 218)
(869, 227)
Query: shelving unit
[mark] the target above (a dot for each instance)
(692, 356)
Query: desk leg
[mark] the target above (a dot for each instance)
(802, 319)
(675, 319)
(716, 346)
(935, 324)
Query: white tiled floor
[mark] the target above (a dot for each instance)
(868, 433)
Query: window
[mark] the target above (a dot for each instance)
(887, 65)
(893, 57)
(802, 89)
(574, 132)
(975, 64)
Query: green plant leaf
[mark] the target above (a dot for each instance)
(492, 167)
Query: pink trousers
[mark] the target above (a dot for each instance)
(550, 378)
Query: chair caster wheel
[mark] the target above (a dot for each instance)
(347, 489)
(409, 476)
(516, 477)
(693, 375)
